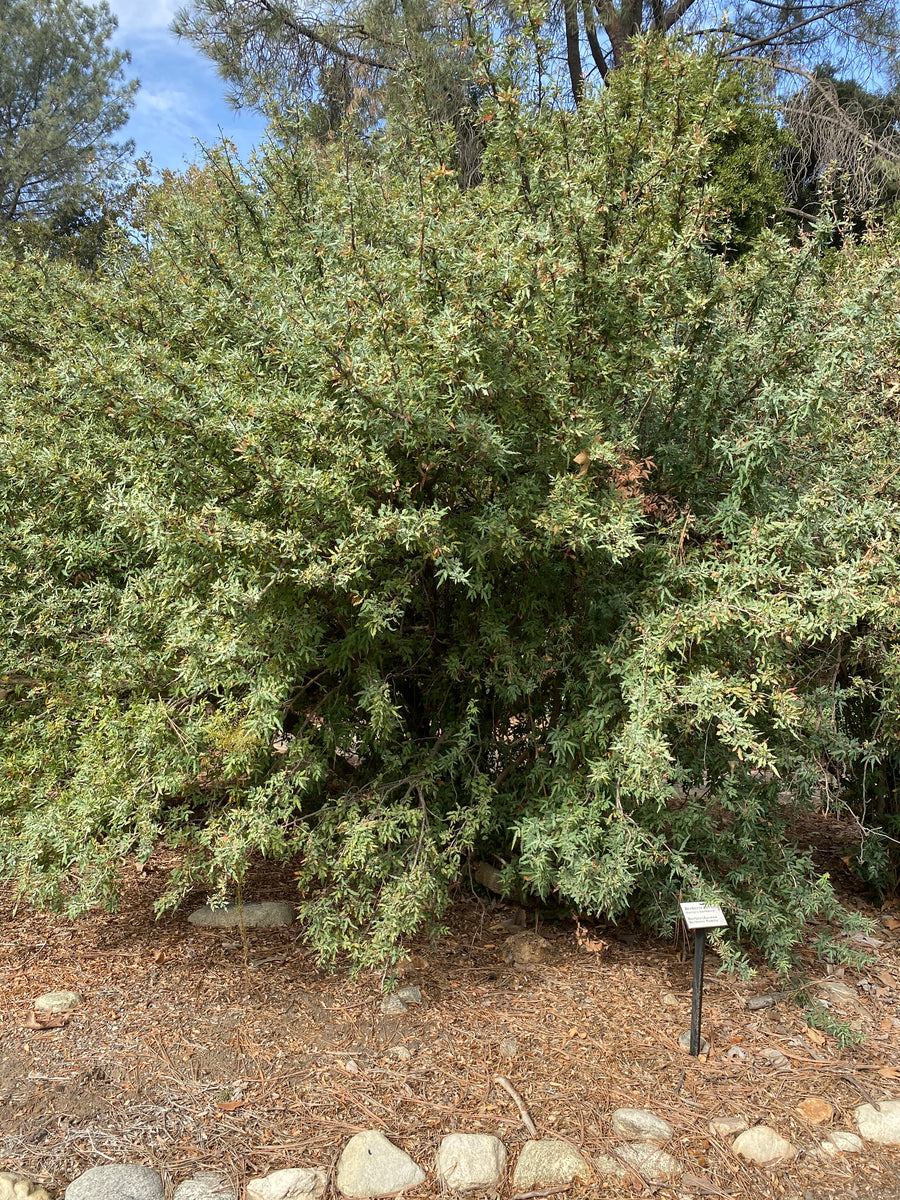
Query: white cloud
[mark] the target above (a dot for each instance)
(160, 100)
(181, 98)
(136, 15)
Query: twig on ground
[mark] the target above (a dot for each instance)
(697, 1183)
(503, 1082)
(556, 1191)
(864, 1092)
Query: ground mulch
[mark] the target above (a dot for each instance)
(194, 1050)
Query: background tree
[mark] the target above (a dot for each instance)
(265, 46)
(846, 147)
(63, 95)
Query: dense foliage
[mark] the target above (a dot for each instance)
(364, 518)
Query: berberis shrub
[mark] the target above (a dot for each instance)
(352, 516)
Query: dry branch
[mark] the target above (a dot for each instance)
(556, 1191)
(503, 1082)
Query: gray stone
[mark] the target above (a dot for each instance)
(57, 1002)
(639, 1125)
(205, 1185)
(17, 1187)
(758, 1003)
(489, 877)
(764, 1146)
(392, 1005)
(608, 1167)
(117, 1181)
(837, 993)
(372, 1166)
(726, 1126)
(470, 1162)
(409, 995)
(882, 1127)
(655, 1165)
(261, 914)
(548, 1163)
(684, 1042)
(839, 1141)
(295, 1183)
(774, 1058)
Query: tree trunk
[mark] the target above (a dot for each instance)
(573, 51)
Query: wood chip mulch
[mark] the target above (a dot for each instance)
(192, 1051)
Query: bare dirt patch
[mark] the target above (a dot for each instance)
(186, 1055)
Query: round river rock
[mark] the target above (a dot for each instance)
(58, 1002)
(117, 1182)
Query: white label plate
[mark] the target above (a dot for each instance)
(703, 916)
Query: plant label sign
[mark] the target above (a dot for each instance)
(700, 917)
(703, 916)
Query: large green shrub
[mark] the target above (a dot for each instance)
(357, 517)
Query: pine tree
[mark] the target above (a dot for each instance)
(63, 95)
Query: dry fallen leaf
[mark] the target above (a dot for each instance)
(38, 1020)
(863, 939)
(817, 1039)
(593, 946)
(889, 1072)
(412, 962)
(588, 944)
(891, 922)
(231, 1105)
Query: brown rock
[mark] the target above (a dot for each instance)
(527, 949)
(815, 1110)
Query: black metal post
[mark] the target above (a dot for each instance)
(697, 1001)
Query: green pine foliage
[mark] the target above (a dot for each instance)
(747, 161)
(63, 97)
(363, 519)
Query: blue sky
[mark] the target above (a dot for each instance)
(182, 99)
